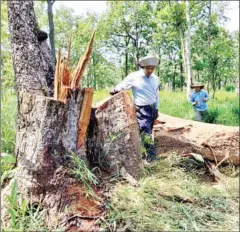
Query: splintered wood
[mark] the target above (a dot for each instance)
(85, 115)
(68, 78)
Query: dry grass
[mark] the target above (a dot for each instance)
(172, 197)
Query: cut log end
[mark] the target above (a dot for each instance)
(113, 137)
(212, 141)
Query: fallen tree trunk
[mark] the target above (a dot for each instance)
(214, 142)
(113, 140)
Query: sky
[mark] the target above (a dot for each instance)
(81, 7)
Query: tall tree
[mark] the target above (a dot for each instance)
(45, 136)
(209, 37)
(51, 27)
(188, 50)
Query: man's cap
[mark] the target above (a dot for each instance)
(197, 84)
(149, 60)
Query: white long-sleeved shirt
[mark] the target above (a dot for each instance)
(145, 89)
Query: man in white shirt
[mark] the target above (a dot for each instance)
(145, 88)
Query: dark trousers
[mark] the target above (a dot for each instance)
(145, 117)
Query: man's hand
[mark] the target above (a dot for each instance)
(204, 99)
(113, 91)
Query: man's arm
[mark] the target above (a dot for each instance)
(127, 83)
(206, 96)
(192, 100)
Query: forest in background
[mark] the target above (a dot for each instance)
(129, 30)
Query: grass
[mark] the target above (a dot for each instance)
(83, 174)
(226, 104)
(172, 199)
(8, 120)
(8, 162)
(22, 215)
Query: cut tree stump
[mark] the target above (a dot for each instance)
(49, 130)
(47, 134)
(214, 142)
(113, 139)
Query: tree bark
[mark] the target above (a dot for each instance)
(47, 130)
(33, 72)
(183, 51)
(113, 137)
(126, 55)
(181, 73)
(46, 135)
(188, 51)
(212, 141)
(209, 43)
(51, 28)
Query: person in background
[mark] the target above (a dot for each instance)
(145, 88)
(199, 100)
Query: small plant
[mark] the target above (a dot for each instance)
(211, 115)
(8, 162)
(83, 174)
(236, 110)
(23, 215)
(229, 88)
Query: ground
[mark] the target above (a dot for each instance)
(176, 194)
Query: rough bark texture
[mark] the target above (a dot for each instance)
(32, 70)
(47, 129)
(46, 135)
(113, 140)
(212, 141)
(188, 50)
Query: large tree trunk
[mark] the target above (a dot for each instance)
(113, 137)
(214, 142)
(47, 130)
(33, 71)
(46, 135)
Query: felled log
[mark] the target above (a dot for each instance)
(113, 140)
(214, 142)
